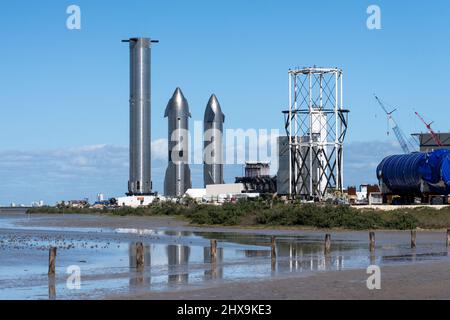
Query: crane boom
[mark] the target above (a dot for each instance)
(433, 134)
(397, 131)
(401, 139)
(384, 107)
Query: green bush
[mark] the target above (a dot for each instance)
(400, 221)
(275, 213)
(228, 214)
(331, 216)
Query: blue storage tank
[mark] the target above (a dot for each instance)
(416, 173)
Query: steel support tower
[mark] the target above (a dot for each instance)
(316, 126)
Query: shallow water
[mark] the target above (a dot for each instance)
(177, 259)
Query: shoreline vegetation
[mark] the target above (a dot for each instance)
(263, 213)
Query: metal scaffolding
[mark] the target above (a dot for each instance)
(316, 126)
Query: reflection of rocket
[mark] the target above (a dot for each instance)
(213, 147)
(178, 174)
(140, 113)
(215, 270)
(178, 260)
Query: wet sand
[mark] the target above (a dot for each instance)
(101, 221)
(417, 282)
(383, 237)
(179, 268)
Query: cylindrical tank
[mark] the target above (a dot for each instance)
(178, 174)
(416, 173)
(140, 117)
(213, 143)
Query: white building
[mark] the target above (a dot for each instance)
(196, 194)
(135, 201)
(216, 190)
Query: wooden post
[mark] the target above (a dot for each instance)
(448, 238)
(139, 255)
(327, 244)
(413, 239)
(213, 250)
(51, 261)
(274, 248)
(372, 241)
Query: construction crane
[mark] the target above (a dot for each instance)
(401, 137)
(433, 134)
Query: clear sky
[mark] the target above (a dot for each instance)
(62, 91)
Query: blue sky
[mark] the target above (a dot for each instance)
(64, 94)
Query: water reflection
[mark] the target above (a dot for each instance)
(132, 255)
(51, 287)
(179, 234)
(174, 258)
(412, 257)
(215, 268)
(140, 277)
(178, 261)
(298, 257)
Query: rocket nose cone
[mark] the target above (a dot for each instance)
(213, 112)
(178, 104)
(178, 95)
(213, 99)
(213, 103)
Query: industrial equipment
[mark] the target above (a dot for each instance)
(140, 182)
(404, 142)
(213, 143)
(433, 134)
(427, 143)
(257, 178)
(178, 174)
(316, 126)
(283, 173)
(254, 169)
(415, 175)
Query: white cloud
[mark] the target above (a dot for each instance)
(59, 174)
(159, 149)
(362, 158)
(73, 173)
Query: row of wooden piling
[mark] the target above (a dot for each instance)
(140, 261)
(327, 244)
(213, 250)
(327, 249)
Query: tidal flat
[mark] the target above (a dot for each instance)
(178, 263)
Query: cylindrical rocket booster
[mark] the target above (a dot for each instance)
(178, 174)
(213, 143)
(140, 182)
